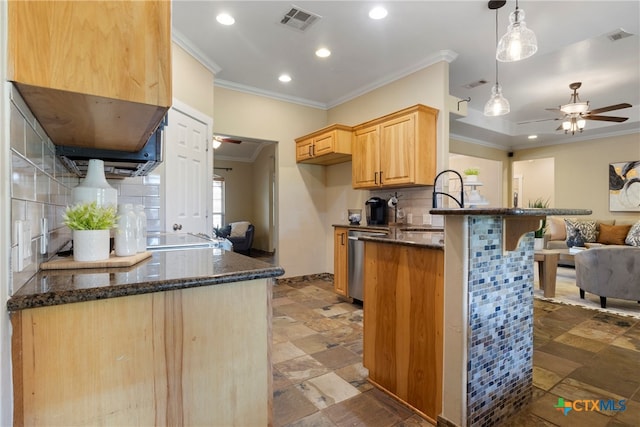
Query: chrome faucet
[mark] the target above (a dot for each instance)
(435, 193)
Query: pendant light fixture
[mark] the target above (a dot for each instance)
(519, 42)
(497, 105)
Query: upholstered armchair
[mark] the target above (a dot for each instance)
(241, 235)
(609, 271)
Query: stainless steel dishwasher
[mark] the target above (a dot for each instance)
(356, 262)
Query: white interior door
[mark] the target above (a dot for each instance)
(188, 171)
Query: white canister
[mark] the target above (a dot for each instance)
(126, 236)
(94, 187)
(141, 228)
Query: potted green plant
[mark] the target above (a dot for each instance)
(90, 225)
(471, 174)
(539, 203)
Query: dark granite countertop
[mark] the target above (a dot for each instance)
(410, 236)
(163, 271)
(509, 211)
(403, 234)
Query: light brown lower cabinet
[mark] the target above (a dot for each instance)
(341, 261)
(197, 356)
(403, 323)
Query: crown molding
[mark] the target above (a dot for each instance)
(269, 94)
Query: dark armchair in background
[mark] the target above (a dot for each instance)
(240, 234)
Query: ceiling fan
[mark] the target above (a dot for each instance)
(576, 112)
(219, 139)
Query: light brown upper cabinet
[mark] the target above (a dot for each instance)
(94, 73)
(397, 150)
(326, 146)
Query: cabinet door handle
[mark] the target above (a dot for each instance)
(342, 239)
(375, 177)
(381, 178)
(311, 151)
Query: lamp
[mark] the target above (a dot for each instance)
(497, 105)
(519, 42)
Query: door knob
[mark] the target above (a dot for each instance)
(177, 227)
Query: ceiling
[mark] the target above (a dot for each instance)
(366, 54)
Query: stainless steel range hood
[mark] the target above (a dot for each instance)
(117, 164)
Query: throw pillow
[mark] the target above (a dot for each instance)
(580, 232)
(223, 232)
(613, 234)
(239, 229)
(557, 229)
(633, 238)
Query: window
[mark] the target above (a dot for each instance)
(218, 201)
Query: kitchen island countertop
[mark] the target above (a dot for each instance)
(163, 271)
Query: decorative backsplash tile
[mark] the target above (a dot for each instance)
(41, 188)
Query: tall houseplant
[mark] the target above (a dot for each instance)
(90, 224)
(539, 203)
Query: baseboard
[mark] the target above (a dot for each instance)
(327, 277)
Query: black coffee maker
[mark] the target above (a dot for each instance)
(376, 211)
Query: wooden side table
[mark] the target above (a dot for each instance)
(547, 269)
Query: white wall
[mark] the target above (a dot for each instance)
(301, 206)
(264, 198)
(239, 190)
(538, 180)
(6, 391)
(490, 176)
(581, 171)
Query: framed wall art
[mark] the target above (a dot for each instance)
(624, 186)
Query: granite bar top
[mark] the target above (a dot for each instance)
(163, 271)
(509, 211)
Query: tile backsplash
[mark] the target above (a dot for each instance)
(41, 189)
(414, 204)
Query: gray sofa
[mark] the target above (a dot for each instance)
(611, 271)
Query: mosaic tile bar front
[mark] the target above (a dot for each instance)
(500, 324)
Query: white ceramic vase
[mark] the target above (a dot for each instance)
(90, 245)
(95, 188)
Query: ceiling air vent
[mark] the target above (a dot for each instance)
(299, 19)
(618, 34)
(475, 84)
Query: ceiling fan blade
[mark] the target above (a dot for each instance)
(233, 141)
(609, 108)
(557, 109)
(606, 118)
(559, 127)
(536, 121)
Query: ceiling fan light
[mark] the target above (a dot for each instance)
(519, 42)
(566, 125)
(497, 105)
(216, 143)
(575, 108)
(581, 123)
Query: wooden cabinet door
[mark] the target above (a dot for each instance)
(324, 144)
(340, 261)
(304, 149)
(402, 347)
(398, 150)
(366, 158)
(119, 50)
(75, 61)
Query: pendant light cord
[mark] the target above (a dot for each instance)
(497, 42)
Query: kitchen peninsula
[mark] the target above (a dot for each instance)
(181, 338)
(488, 312)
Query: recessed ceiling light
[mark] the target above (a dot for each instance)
(284, 78)
(533, 137)
(225, 19)
(323, 52)
(378, 12)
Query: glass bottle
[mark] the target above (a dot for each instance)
(141, 228)
(126, 233)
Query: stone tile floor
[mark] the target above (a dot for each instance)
(319, 380)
